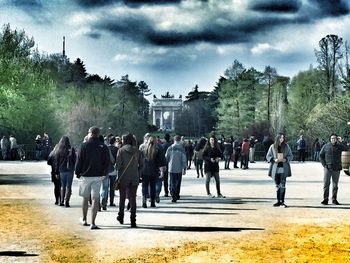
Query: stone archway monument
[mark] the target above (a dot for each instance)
(164, 110)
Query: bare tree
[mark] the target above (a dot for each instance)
(328, 58)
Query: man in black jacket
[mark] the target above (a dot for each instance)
(91, 168)
(330, 157)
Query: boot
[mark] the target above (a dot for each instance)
(133, 221)
(57, 200)
(144, 201)
(63, 193)
(104, 204)
(68, 194)
(153, 204)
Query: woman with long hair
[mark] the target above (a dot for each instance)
(129, 164)
(279, 156)
(198, 156)
(153, 160)
(212, 156)
(65, 157)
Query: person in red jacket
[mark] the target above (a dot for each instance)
(245, 154)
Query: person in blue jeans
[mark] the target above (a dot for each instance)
(177, 163)
(65, 156)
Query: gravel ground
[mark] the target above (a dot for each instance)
(246, 210)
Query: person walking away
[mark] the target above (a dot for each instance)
(65, 156)
(245, 154)
(112, 176)
(55, 175)
(237, 151)
(212, 156)
(153, 161)
(198, 156)
(91, 168)
(5, 146)
(317, 149)
(301, 148)
(279, 156)
(330, 158)
(252, 142)
(38, 147)
(228, 150)
(13, 148)
(189, 153)
(165, 147)
(129, 163)
(177, 163)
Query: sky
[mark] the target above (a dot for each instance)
(174, 45)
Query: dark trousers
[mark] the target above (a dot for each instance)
(280, 181)
(328, 175)
(301, 155)
(166, 182)
(131, 191)
(227, 158)
(57, 187)
(175, 179)
(199, 167)
(149, 181)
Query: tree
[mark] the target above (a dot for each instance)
(269, 76)
(328, 58)
(196, 120)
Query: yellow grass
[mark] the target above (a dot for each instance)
(23, 222)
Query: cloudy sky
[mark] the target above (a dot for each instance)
(173, 45)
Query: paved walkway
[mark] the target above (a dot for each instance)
(246, 208)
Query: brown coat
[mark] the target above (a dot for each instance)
(130, 174)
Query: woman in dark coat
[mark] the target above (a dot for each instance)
(212, 156)
(129, 164)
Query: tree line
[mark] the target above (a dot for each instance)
(47, 92)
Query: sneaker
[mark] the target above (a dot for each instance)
(67, 204)
(157, 199)
(94, 227)
(166, 195)
(221, 196)
(120, 220)
(324, 202)
(335, 202)
(83, 222)
(112, 204)
(173, 200)
(277, 204)
(283, 205)
(210, 196)
(61, 204)
(104, 208)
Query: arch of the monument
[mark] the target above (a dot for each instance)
(164, 111)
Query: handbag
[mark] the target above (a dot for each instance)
(117, 182)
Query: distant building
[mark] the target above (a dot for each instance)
(164, 111)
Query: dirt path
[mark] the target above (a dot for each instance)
(244, 227)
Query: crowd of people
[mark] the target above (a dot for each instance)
(105, 164)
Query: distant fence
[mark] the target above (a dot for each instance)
(260, 153)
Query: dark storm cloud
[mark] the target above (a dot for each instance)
(213, 23)
(276, 6)
(333, 7)
(28, 5)
(131, 3)
(33, 8)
